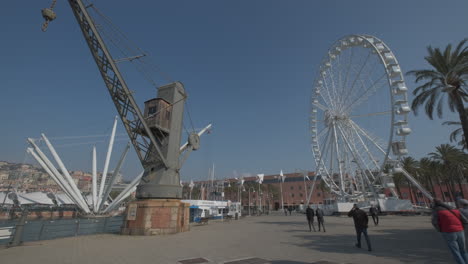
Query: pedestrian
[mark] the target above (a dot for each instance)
(310, 218)
(290, 210)
(374, 213)
(286, 211)
(449, 222)
(320, 220)
(360, 223)
(463, 208)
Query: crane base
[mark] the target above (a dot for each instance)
(156, 217)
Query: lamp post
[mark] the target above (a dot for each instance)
(260, 200)
(249, 197)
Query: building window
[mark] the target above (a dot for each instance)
(446, 194)
(292, 187)
(292, 194)
(420, 195)
(152, 110)
(300, 194)
(300, 187)
(318, 194)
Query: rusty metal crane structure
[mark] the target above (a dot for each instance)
(154, 133)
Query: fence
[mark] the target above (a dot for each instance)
(51, 229)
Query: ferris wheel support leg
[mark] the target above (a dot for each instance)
(414, 181)
(338, 160)
(371, 186)
(311, 189)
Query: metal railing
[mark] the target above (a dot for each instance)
(51, 229)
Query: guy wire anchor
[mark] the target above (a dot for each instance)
(48, 14)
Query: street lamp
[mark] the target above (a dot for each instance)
(249, 197)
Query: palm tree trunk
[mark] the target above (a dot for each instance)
(461, 113)
(432, 186)
(440, 188)
(410, 192)
(461, 188)
(398, 190)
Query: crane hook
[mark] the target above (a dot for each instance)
(48, 14)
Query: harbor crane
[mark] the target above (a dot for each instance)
(154, 133)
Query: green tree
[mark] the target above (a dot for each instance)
(411, 166)
(453, 162)
(456, 133)
(447, 77)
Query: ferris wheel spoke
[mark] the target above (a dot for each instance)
(362, 97)
(332, 103)
(323, 155)
(332, 80)
(344, 96)
(372, 140)
(372, 114)
(357, 157)
(369, 153)
(320, 106)
(335, 136)
(345, 84)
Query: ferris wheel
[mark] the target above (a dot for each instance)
(359, 117)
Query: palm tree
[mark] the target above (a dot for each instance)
(411, 166)
(450, 70)
(454, 135)
(453, 162)
(429, 174)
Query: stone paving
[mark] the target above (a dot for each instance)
(256, 240)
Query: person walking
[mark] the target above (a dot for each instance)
(374, 213)
(310, 218)
(320, 220)
(290, 210)
(360, 223)
(286, 211)
(463, 208)
(449, 222)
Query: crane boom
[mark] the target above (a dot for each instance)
(146, 146)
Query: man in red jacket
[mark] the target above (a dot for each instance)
(449, 222)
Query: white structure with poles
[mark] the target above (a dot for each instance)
(68, 186)
(99, 197)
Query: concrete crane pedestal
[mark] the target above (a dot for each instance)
(156, 217)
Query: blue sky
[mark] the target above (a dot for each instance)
(248, 67)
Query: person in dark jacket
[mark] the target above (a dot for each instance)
(320, 220)
(374, 213)
(360, 223)
(449, 222)
(310, 218)
(290, 209)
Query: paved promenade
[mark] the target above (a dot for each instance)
(265, 239)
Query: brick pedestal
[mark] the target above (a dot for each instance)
(156, 217)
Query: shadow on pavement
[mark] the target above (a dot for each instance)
(288, 223)
(288, 262)
(421, 245)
